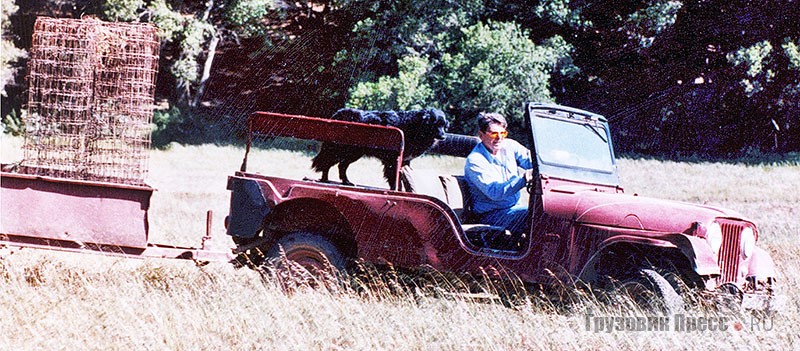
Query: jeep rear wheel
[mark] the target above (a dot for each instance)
(302, 258)
(650, 291)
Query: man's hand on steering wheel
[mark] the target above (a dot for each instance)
(529, 181)
(528, 176)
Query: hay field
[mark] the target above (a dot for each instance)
(60, 301)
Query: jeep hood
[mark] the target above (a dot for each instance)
(590, 206)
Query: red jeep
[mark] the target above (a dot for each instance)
(583, 227)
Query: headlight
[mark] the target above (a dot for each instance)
(714, 236)
(748, 242)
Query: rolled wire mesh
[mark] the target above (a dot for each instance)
(90, 101)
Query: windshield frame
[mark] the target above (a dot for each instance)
(546, 117)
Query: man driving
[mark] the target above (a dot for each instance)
(496, 171)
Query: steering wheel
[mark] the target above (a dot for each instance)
(530, 185)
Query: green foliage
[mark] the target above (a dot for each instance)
(165, 122)
(246, 16)
(490, 67)
(687, 77)
(163, 118)
(408, 91)
(13, 123)
(189, 27)
(560, 52)
(386, 31)
(754, 58)
(560, 13)
(169, 22)
(789, 98)
(712, 77)
(8, 52)
(792, 52)
(192, 36)
(496, 67)
(645, 24)
(122, 10)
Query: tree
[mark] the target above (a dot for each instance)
(386, 31)
(712, 77)
(496, 67)
(709, 77)
(191, 32)
(408, 91)
(360, 41)
(769, 78)
(488, 67)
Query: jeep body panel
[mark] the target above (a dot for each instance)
(384, 226)
(594, 205)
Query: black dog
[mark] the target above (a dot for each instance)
(421, 128)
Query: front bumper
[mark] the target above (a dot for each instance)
(763, 302)
(753, 295)
(754, 285)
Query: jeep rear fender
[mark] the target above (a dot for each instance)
(314, 216)
(694, 250)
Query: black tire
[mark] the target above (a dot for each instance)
(251, 258)
(650, 291)
(302, 258)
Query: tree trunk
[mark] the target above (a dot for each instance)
(212, 48)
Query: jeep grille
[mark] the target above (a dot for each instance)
(729, 252)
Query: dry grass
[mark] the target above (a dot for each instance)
(68, 301)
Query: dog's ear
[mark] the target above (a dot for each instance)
(436, 117)
(430, 116)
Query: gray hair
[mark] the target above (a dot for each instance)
(485, 119)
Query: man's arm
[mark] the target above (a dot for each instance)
(523, 155)
(484, 177)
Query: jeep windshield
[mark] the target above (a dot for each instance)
(573, 144)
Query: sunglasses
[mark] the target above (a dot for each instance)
(496, 135)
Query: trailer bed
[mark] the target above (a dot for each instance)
(85, 216)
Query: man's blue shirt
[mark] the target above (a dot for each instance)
(496, 180)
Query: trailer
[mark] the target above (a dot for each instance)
(80, 186)
(83, 216)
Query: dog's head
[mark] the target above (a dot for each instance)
(435, 118)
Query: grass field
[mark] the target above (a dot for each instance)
(51, 300)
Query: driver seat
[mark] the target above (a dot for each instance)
(457, 197)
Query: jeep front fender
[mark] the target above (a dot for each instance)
(694, 249)
(703, 259)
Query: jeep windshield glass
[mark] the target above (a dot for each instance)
(572, 144)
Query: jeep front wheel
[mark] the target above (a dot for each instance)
(649, 290)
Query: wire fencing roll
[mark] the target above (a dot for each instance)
(90, 100)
